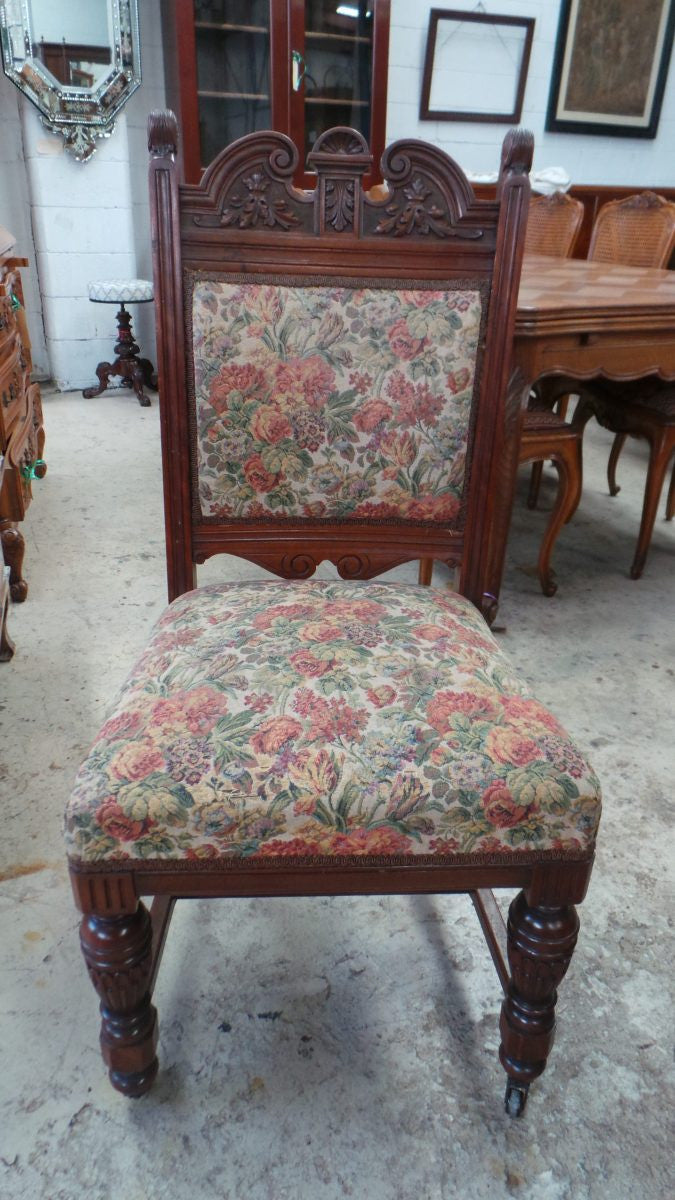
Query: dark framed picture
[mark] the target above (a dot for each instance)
(475, 66)
(610, 67)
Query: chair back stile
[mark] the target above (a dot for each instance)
(335, 368)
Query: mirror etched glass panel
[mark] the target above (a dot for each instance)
(78, 61)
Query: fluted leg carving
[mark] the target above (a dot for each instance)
(118, 954)
(540, 946)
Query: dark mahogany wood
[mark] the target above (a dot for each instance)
(494, 930)
(541, 941)
(135, 371)
(433, 229)
(428, 227)
(118, 952)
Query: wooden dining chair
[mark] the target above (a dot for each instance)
(334, 383)
(638, 232)
(643, 409)
(553, 224)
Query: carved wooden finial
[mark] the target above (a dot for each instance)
(517, 153)
(162, 133)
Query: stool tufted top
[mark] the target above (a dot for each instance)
(121, 291)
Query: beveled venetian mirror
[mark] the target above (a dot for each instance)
(78, 61)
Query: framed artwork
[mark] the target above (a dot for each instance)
(475, 66)
(610, 67)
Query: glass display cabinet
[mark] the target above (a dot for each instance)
(298, 66)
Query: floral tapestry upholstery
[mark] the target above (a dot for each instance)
(306, 719)
(332, 402)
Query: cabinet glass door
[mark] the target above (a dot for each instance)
(338, 62)
(233, 71)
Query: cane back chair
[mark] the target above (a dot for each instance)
(334, 377)
(553, 224)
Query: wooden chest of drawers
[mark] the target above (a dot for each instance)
(21, 430)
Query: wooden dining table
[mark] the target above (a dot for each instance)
(584, 319)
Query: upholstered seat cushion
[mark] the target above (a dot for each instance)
(121, 291)
(328, 719)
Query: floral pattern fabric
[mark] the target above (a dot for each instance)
(304, 719)
(332, 402)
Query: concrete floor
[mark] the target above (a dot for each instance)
(331, 1048)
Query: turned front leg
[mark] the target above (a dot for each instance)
(118, 954)
(541, 942)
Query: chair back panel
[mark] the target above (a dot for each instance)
(334, 401)
(638, 231)
(553, 224)
(334, 366)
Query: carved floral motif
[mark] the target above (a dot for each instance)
(257, 207)
(418, 217)
(340, 203)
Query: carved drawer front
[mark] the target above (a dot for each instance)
(21, 453)
(12, 389)
(8, 326)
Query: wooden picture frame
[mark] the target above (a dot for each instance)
(458, 67)
(610, 67)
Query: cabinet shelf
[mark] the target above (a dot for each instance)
(338, 37)
(223, 27)
(346, 102)
(209, 95)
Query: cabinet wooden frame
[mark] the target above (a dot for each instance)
(478, 18)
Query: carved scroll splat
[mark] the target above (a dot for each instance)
(416, 216)
(341, 158)
(260, 204)
(429, 194)
(250, 187)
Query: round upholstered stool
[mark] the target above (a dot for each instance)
(135, 371)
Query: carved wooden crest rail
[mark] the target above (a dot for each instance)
(427, 195)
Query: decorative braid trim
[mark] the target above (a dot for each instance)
(514, 858)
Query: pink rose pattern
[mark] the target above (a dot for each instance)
(332, 402)
(328, 718)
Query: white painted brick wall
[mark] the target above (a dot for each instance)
(587, 159)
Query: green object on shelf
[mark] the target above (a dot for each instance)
(16, 303)
(30, 470)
